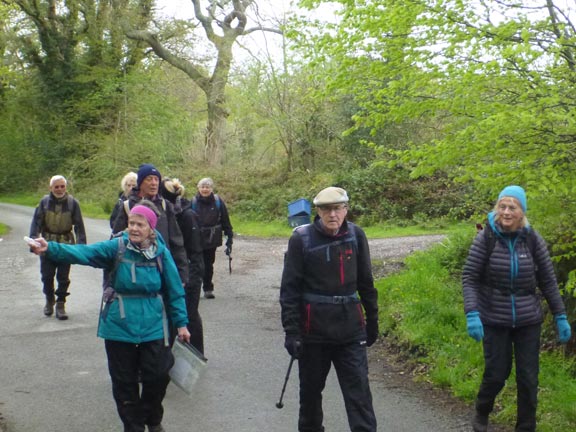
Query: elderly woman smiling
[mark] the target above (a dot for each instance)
(144, 291)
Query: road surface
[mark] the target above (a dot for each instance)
(53, 374)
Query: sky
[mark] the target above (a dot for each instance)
(258, 43)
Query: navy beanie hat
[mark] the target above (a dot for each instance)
(146, 170)
(515, 192)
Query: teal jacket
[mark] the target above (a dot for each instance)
(139, 286)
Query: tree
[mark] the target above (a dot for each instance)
(492, 83)
(223, 23)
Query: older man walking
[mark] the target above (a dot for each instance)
(330, 311)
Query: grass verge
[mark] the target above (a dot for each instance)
(421, 310)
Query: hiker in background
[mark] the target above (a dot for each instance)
(57, 218)
(148, 187)
(127, 183)
(144, 287)
(173, 191)
(506, 264)
(330, 311)
(214, 221)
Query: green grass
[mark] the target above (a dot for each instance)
(244, 225)
(3, 229)
(421, 309)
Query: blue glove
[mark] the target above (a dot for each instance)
(564, 331)
(228, 250)
(474, 326)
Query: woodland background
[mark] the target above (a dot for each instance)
(422, 109)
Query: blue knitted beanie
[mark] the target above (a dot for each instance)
(515, 192)
(146, 170)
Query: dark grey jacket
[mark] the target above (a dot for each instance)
(503, 286)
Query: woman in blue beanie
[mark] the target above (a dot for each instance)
(507, 264)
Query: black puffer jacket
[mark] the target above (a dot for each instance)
(332, 266)
(214, 220)
(503, 286)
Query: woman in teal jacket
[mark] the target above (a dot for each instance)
(145, 291)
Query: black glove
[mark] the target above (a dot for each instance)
(371, 331)
(228, 246)
(293, 344)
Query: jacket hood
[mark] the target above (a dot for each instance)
(498, 231)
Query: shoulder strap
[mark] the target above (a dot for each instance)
(490, 239)
(304, 231)
(126, 205)
(194, 202)
(44, 202)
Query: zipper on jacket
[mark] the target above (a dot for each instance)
(308, 318)
(513, 276)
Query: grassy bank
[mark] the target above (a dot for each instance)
(421, 310)
(243, 225)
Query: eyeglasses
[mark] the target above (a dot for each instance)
(335, 209)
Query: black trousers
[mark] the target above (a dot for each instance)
(193, 289)
(501, 345)
(209, 258)
(351, 364)
(49, 270)
(127, 362)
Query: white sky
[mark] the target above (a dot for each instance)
(259, 43)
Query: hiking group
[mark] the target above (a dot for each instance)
(161, 255)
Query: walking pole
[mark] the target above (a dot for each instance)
(280, 405)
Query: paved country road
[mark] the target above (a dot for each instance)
(53, 374)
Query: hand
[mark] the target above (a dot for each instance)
(183, 334)
(293, 344)
(229, 246)
(39, 250)
(371, 331)
(564, 331)
(474, 326)
(228, 250)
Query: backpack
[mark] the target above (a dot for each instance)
(490, 239)
(110, 274)
(69, 198)
(304, 231)
(109, 294)
(194, 203)
(127, 206)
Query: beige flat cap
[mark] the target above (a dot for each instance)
(331, 195)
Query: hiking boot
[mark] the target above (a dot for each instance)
(157, 428)
(480, 423)
(209, 295)
(60, 311)
(49, 307)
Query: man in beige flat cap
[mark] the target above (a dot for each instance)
(330, 311)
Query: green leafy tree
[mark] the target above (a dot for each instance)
(222, 23)
(487, 85)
